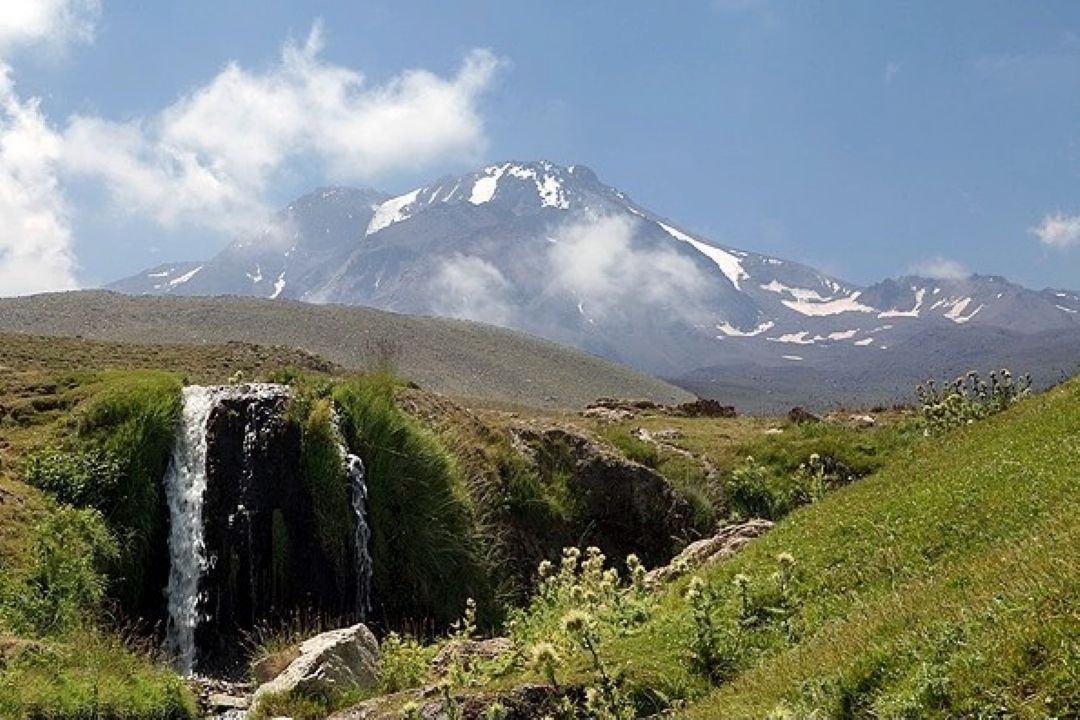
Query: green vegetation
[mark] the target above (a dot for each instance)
(427, 554)
(910, 574)
(943, 585)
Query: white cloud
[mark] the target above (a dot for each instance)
(596, 259)
(35, 233)
(209, 158)
(940, 268)
(470, 287)
(35, 237)
(892, 69)
(53, 22)
(1058, 230)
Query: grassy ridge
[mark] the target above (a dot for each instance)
(455, 357)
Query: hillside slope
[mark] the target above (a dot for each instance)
(454, 357)
(944, 585)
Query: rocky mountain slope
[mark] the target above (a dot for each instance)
(553, 251)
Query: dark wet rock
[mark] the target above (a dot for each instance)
(623, 507)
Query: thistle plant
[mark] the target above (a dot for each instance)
(785, 580)
(545, 660)
(606, 700)
(967, 399)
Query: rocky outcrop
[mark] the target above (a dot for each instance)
(335, 661)
(469, 653)
(703, 408)
(524, 702)
(623, 507)
(720, 546)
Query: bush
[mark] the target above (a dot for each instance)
(126, 432)
(427, 552)
(62, 585)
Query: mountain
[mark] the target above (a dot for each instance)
(455, 357)
(553, 251)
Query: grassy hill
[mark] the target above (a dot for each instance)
(454, 357)
(946, 584)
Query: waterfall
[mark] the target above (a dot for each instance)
(354, 469)
(185, 487)
(185, 483)
(362, 537)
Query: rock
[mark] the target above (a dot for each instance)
(470, 652)
(269, 667)
(524, 702)
(863, 422)
(608, 415)
(703, 408)
(799, 415)
(668, 434)
(338, 660)
(220, 701)
(774, 431)
(625, 507)
(720, 546)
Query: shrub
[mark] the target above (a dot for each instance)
(403, 663)
(424, 539)
(62, 586)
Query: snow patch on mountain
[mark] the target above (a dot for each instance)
(728, 263)
(392, 211)
(279, 286)
(732, 331)
(920, 295)
(185, 277)
(811, 308)
(799, 338)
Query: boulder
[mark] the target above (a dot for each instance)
(704, 408)
(345, 659)
(470, 652)
(720, 546)
(623, 506)
(799, 415)
(863, 422)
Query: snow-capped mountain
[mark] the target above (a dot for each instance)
(553, 251)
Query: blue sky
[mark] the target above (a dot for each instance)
(867, 139)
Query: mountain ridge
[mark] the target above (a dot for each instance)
(554, 252)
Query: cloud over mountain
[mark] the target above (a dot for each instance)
(209, 159)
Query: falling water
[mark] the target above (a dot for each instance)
(185, 486)
(354, 468)
(185, 483)
(363, 533)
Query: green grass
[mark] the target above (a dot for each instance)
(945, 584)
(89, 674)
(427, 555)
(973, 534)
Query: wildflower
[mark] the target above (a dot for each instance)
(576, 621)
(545, 569)
(696, 591)
(741, 581)
(786, 560)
